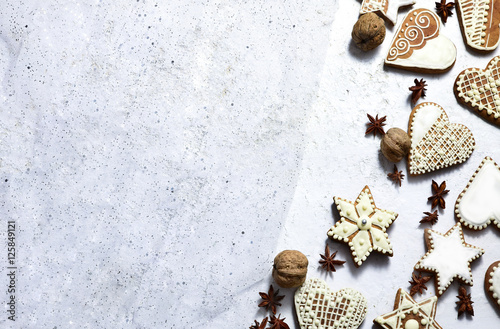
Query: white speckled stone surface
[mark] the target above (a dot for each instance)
(157, 155)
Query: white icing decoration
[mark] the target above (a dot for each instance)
(487, 99)
(343, 309)
(495, 282)
(435, 142)
(363, 226)
(420, 45)
(405, 304)
(479, 202)
(388, 8)
(450, 257)
(474, 20)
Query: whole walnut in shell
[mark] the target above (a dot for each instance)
(369, 31)
(395, 144)
(290, 268)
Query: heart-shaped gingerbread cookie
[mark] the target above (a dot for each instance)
(318, 307)
(477, 205)
(492, 282)
(479, 20)
(435, 142)
(419, 46)
(480, 90)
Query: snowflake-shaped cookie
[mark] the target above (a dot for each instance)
(409, 314)
(363, 226)
(449, 257)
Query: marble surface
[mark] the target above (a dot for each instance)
(157, 155)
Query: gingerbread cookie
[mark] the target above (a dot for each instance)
(387, 8)
(419, 46)
(363, 226)
(478, 205)
(492, 282)
(449, 257)
(318, 307)
(409, 314)
(479, 20)
(479, 90)
(435, 142)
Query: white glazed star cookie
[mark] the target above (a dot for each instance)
(387, 8)
(363, 226)
(449, 257)
(409, 314)
(478, 205)
(319, 307)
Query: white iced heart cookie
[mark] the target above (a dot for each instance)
(435, 142)
(492, 282)
(419, 46)
(318, 307)
(387, 8)
(478, 205)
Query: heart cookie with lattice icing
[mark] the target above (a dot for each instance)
(480, 90)
(492, 282)
(477, 205)
(386, 8)
(318, 307)
(479, 20)
(435, 142)
(419, 46)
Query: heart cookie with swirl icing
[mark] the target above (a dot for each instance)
(318, 307)
(419, 46)
(436, 142)
(492, 282)
(477, 206)
(480, 90)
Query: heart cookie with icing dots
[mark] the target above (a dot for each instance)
(318, 307)
(477, 205)
(435, 142)
(480, 90)
(419, 46)
(492, 282)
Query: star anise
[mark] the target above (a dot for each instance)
(271, 299)
(443, 9)
(375, 125)
(418, 283)
(418, 90)
(439, 192)
(261, 325)
(278, 323)
(465, 302)
(430, 218)
(396, 176)
(328, 262)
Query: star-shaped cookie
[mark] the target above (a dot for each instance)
(449, 257)
(409, 314)
(363, 226)
(387, 8)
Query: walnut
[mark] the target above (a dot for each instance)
(368, 32)
(395, 144)
(290, 268)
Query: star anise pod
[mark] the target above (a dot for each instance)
(430, 218)
(261, 325)
(465, 302)
(271, 299)
(439, 192)
(278, 323)
(328, 262)
(443, 9)
(396, 176)
(418, 90)
(375, 125)
(418, 283)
